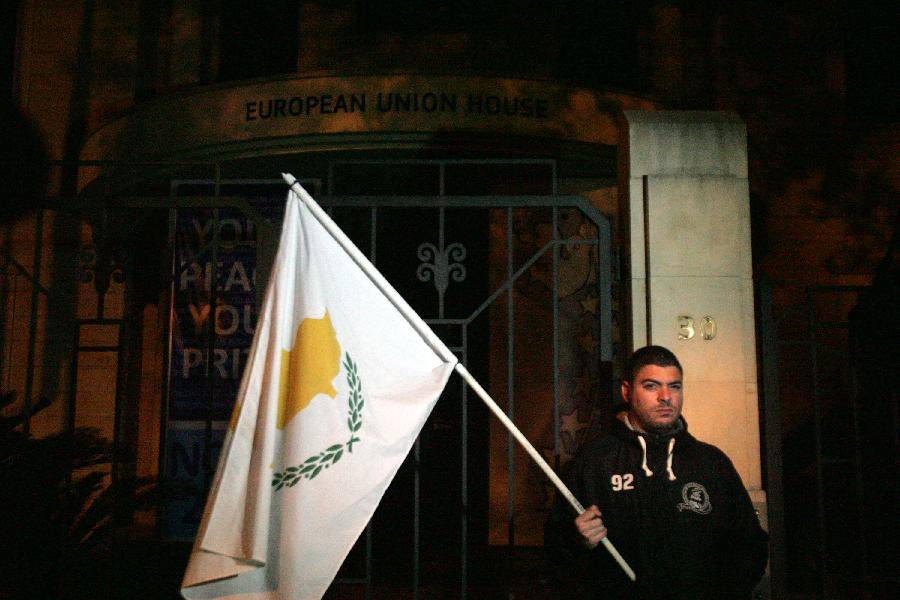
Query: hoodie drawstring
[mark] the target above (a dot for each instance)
(644, 466)
(668, 459)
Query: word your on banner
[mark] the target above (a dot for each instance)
(210, 245)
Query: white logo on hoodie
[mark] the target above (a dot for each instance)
(696, 498)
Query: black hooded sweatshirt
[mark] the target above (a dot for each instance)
(677, 512)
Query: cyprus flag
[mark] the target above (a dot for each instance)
(337, 387)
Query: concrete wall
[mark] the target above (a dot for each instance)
(688, 211)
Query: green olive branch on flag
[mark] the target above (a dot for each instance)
(313, 465)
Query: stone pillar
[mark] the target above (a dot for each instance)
(686, 199)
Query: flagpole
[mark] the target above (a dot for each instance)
(442, 350)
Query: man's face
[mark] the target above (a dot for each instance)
(655, 397)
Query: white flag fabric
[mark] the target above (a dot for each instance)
(337, 387)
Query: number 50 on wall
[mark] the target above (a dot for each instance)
(687, 329)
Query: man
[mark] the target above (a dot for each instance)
(673, 506)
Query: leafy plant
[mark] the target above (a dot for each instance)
(61, 510)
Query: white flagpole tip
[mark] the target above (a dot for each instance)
(290, 179)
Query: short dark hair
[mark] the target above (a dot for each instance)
(650, 355)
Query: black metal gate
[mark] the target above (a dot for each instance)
(444, 503)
